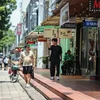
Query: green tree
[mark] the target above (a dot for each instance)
(8, 39)
(6, 9)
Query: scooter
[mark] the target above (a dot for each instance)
(14, 73)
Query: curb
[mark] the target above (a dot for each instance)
(25, 89)
(42, 90)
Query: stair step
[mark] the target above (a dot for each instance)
(66, 93)
(49, 95)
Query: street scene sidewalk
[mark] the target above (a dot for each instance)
(78, 84)
(11, 91)
(16, 91)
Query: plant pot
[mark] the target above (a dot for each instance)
(44, 66)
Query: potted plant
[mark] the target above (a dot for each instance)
(45, 61)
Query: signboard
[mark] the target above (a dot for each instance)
(66, 33)
(91, 23)
(30, 42)
(69, 25)
(64, 14)
(94, 5)
(19, 29)
(50, 33)
(42, 39)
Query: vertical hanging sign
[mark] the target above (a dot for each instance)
(19, 29)
(64, 14)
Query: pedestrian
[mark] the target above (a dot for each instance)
(5, 61)
(1, 60)
(55, 58)
(9, 62)
(26, 59)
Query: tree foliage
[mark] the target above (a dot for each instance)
(8, 39)
(6, 9)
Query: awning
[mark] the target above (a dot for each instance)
(38, 31)
(41, 28)
(51, 20)
(32, 35)
(21, 45)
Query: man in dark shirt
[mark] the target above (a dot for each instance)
(55, 58)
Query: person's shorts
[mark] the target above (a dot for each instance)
(5, 64)
(27, 69)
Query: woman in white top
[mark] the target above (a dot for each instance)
(27, 60)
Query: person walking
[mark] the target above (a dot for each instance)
(1, 60)
(26, 58)
(5, 61)
(55, 58)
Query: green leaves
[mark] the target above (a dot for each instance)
(6, 9)
(8, 39)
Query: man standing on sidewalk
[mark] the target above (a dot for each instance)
(55, 58)
(27, 60)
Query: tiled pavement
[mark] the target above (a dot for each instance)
(76, 83)
(33, 94)
(14, 91)
(11, 91)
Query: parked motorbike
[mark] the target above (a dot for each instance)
(13, 73)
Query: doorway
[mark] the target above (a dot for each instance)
(88, 50)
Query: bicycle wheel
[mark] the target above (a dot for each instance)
(14, 78)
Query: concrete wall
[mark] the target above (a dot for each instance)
(42, 47)
(41, 12)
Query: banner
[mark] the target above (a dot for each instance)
(19, 29)
(64, 14)
(50, 33)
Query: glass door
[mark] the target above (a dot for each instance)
(88, 50)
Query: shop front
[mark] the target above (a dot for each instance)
(88, 47)
(84, 43)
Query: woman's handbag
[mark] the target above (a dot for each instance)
(32, 73)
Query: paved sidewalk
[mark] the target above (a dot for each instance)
(33, 93)
(16, 91)
(77, 83)
(11, 91)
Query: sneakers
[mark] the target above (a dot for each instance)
(52, 78)
(58, 78)
(27, 85)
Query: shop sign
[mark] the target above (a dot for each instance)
(64, 14)
(91, 23)
(42, 39)
(94, 5)
(50, 33)
(30, 42)
(19, 29)
(69, 25)
(66, 33)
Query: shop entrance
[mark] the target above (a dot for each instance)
(88, 50)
